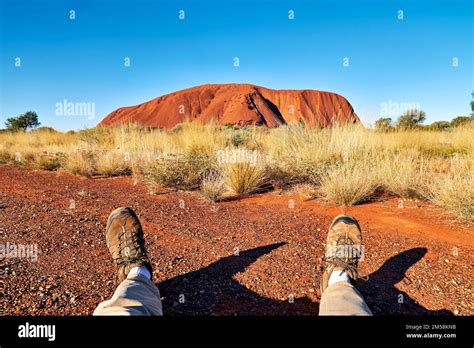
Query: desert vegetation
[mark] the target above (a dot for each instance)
(341, 165)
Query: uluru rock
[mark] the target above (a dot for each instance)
(238, 104)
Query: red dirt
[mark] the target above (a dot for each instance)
(416, 254)
(238, 104)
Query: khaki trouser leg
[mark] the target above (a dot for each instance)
(136, 295)
(342, 298)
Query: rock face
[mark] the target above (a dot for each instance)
(238, 104)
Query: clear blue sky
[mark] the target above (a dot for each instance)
(82, 60)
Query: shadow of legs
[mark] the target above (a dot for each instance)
(380, 290)
(213, 291)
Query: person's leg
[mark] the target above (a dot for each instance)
(343, 251)
(136, 293)
(342, 298)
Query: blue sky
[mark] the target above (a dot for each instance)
(391, 60)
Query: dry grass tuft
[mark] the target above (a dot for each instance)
(348, 184)
(244, 177)
(455, 192)
(112, 163)
(213, 186)
(80, 162)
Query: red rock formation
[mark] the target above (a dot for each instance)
(238, 104)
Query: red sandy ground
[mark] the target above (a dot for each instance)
(417, 259)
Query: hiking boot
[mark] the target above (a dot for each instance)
(343, 248)
(124, 238)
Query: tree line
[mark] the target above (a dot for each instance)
(414, 118)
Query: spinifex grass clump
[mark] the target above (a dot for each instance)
(179, 171)
(455, 191)
(244, 177)
(213, 185)
(348, 183)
